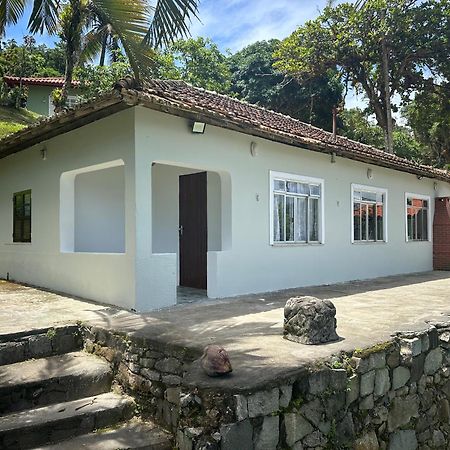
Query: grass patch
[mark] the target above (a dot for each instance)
(12, 119)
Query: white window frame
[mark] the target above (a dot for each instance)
(430, 229)
(51, 106)
(375, 190)
(301, 179)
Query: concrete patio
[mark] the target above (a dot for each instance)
(249, 327)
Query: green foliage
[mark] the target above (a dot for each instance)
(429, 117)
(348, 38)
(29, 59)
(97, 80)
(198, 62)
(357, 126)
(255, 80)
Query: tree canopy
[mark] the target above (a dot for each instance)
(254, 79)
(349, 37)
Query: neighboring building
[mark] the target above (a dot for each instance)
(39, 92)
(123, 199)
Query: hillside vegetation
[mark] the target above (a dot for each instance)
(12, 119)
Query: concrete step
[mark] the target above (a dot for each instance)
(39, 343)
(134, 434)
(55, 379)
(57, 422)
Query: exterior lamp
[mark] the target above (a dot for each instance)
(198, 127)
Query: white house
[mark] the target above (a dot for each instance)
(126, 198)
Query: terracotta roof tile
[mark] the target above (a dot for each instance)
(37, 81)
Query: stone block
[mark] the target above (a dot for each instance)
(425, 343)
(319, 381)
(285, 395)
(297, 427)
(366, 403)
(263, 403)
(315, 439)
(266, 438)
(400, 376)
(444, 411)
(382, 382)
(359, 364)
(309, 320)
(410, 348)
(345, 431)
(352, 389)
(148, 363)
(313, 411)
(338, 380)
(439, 440)
(334, 405)
(403, 440)
(433, 361)
(377, 360)
(433, 336)
(368, 441)
(171, 380)
(367, 383)
(393, 358)
(402, 410)
(241, 407)
(151, 375)
(169, 365)
(417, 367)
(39, 346)
(237, 435)
(173, 395)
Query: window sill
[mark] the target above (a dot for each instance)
(415, 242)
(296, 244)
(18, 243)
(369, 242)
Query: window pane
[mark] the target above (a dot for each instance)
(290, 218)
(291, 186)
(363, 222)
(425, 203)
(26, 230)
(420, 226)
(279, 185)
(380, 198)
(380, 223)
(301, 219)
(303, 188)
(17, 232)
(315, 189)
(278, 218)
(357, 221)
(18, 205)
(425, 224)
(371, 222)
(313, 219)
(369, 196)
(357, 195)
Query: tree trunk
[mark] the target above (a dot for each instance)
(103, 53)
(388, 131)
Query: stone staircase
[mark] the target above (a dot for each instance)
(55, 396)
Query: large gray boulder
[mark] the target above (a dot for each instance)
(309, 320)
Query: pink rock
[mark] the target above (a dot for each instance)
(215, 361)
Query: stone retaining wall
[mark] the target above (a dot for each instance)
(392, 396)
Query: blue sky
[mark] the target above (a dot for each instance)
(233, 24)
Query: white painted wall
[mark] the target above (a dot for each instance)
(240, 258)
(250, 263)
(103, 277)
(100, 211)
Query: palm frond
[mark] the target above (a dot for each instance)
(170, 21)
(10, 12)
(93, 41)
(44, 17)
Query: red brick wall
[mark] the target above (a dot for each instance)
(441, 234)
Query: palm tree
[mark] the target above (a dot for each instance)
(139, 25)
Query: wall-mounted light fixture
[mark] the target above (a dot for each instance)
(419, 177)
(198, 127)
(44, 153)
(333, 157)
(253, 149)
(369, 174)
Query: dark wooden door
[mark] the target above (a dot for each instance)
(193, 230)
